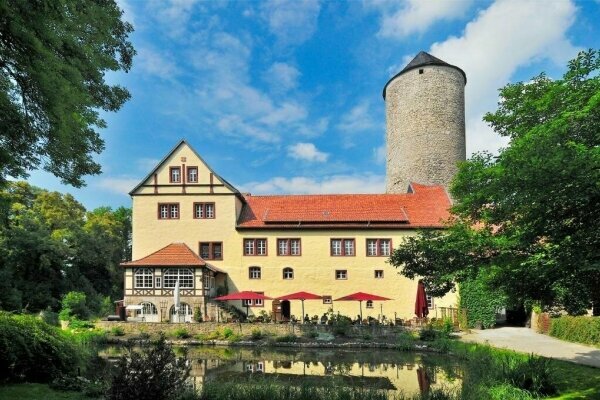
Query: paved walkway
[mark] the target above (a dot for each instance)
(527, 341)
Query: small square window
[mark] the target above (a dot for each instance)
(421, 71)
(327, 300)
(254, 273)
(192, 174)
(429, 301)
(341, 274)
(369, 303)
(378, 274)
(174, 174)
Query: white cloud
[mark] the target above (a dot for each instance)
(400, 19)
(359, 118)
(291, 21)
(117, 185)
(145, 165)
(154, 63)
(128, 14)
(360, 183)
(307, 152)
(175, 14)
(380, 154)
(507, 35)
(282, 77)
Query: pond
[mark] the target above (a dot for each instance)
(389, 370)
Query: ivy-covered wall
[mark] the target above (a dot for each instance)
(480, 302)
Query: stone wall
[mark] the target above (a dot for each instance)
(135, 328)
(425, 115)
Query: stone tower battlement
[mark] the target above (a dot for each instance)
(425, 123)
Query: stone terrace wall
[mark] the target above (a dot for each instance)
(135, 328)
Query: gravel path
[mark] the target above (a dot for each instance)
(527, 341)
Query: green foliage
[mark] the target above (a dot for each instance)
(480, 301)
(74, 305)
(50, 245)
(34, 351)
(576, 329)
(256, 334)
(508, 392)
(524, 216)
(181, 333)
(312, 334)
(405, 341)
(153, 372)
(534, 375)
(197, 314)
(78, 324)
(289, 338)
(52, 84)
(341, 324)
(117, 331)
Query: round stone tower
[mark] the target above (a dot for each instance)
(425, 114)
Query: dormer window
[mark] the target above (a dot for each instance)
(175, 174)
(192, 174)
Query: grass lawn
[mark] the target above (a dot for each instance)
(36, 391)
(577, 381)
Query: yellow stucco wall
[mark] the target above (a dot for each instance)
(314, 270)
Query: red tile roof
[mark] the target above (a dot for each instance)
(173, 255)
(424, 207)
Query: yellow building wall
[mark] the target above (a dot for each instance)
(314, 270)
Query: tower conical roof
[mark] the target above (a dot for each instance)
(420, 60)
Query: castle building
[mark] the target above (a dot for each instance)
(193, 228)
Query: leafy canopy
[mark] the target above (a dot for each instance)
(53, 59)
(529, 216)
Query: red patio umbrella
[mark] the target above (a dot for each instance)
(421, 309)
(360, 297)
(300, 296)
(244, 295)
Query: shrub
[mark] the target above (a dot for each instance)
(534, 374)
(480, 301)
(32, 350)
(73, 305)
(49, 317)
(181, 333)
(154, 372)
(289, 338)
(405, 341)
(227, 333)
(367, 336)
(576, 329)
(428, 334)
(197, 315)
(312, 334)
(341, 325)
(117, 331)
(256, 334)
(78, 324)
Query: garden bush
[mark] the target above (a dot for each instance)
(256, 334)
(74, 305)
(480, 301)
(576, 329)
(34, 351)
(181, 333)
(289, 338)
(117, 331)
(154, 372)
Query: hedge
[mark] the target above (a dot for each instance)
(480, 301)
(34, 351)
(576, 329)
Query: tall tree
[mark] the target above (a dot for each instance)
(530, 215)
(54, 55)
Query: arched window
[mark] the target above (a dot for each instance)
(184, 309)
(149, 308)
(288, 273)
(369, 303)
(185, 276)
(254, 273)
(143, 278)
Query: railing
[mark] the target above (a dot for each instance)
(450, 313)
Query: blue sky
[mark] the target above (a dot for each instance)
(285, 96)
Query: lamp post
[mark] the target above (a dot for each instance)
(163, 307)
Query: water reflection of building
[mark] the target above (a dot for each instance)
(410, 378)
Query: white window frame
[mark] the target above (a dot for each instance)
(143, 278)
(341, 274)
(254, 272)
(192, 174)
(288, 273)
(149, 308)
(339, 247)
(184, 275)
